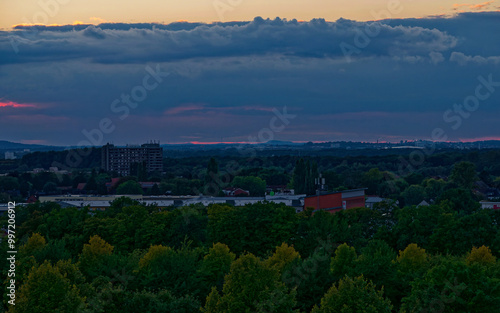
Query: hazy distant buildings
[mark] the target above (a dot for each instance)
(121, 159)
(9, 155)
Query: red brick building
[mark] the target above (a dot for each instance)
(336, 201)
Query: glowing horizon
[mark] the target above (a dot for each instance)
(59, 12)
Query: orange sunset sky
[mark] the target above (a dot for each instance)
(166, 11)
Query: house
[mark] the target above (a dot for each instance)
(235, 192)
(423, 203)
(112, 184)
(32, 199)
(278, 190)
(148, 184)
(370, 201)
(336, 201)
(487, 191)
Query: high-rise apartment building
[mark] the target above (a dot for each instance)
(121, 159)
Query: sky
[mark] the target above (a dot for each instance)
(93, 72)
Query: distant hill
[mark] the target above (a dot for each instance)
(282, 143)
(15, 146)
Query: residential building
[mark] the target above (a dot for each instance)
(9, 155)
(121, 159)
(235, 192)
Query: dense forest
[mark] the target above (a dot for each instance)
(257, 258)
(397, 257)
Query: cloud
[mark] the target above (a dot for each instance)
(436, 57)
(479, 6)
(11, 104)
(226, 78)
(97, 19)
(179, 41)
(184, 108)
(94, 32)
(202, 109)
(463, 59)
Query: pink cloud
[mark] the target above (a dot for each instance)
(35, 119)
(11, 104)
(253, 108)
(184, 108)
(203, 108)
(34, 142)
(368, 115)
(478, 6)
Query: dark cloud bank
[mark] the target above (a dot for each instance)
(397, 81)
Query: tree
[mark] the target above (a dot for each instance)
(414, 194)
(215, 265)
(213, 302)
(391, 187)
(165, 268)
(91, 185)
(464, 174)
(49, 187)
(129, 188)
(282, 258)
(481, 255)
(344, 261)
(212, 184)
(416, 225)
(35, 244)
(155, 190)
(142, 171)
(372, 179)
(460, 200)
(332, 179)
(457, 234)
(255, 228)
(412, 259)
(8, 183)
(251, 286)
(95, 256)
(412, 263)
(352, 296)
(310, 276)
(46, 290)
(414, 178)
(312, 174)
(163, 301)
(212, 171)
(433, 188)
(376, 263)
(255, 185)
(303, 177)
(452, 286)
(299, 177)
